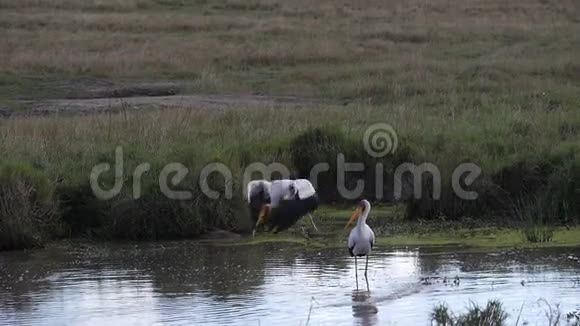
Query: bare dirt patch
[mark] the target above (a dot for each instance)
(69, 107)
(83, 96)
(120, 90)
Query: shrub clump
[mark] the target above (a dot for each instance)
(492, 315)
(321, 145)
(316, 154)
(28, 211)
(154, 216)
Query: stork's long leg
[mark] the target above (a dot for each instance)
(355, 272)
(304, 233)
(312, 220)
(255, 228)
(366, 268)
(303, 227)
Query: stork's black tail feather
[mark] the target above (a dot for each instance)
(290, 211)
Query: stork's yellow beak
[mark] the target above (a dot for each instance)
(357, 213)
(264, 214)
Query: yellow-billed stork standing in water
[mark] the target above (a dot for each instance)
(361, 238)
(286, 202)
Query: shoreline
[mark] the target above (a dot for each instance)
(484, 238)
(391, 227)
(480, 239)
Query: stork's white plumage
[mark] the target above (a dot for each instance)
(264, 195)
(281, 190)
(304, 188)
(282, 203)
(361, 239)
(256, 187)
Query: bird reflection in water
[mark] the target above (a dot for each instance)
(364, 309)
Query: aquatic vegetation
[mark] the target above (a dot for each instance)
(492, 315)
(538, 214)
(573, 317)
(538, 234)
(552, 313)
(442, 316)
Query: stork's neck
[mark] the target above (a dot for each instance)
(363, 219)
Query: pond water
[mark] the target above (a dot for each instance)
(187, 283)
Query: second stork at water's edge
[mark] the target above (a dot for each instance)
(258, 195)
(361, 239)
(262, 194)
(289, 200)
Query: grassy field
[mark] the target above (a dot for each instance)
(443, 55)
(481, 81)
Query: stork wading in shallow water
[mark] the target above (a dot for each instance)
(361, 239)
(289, 200)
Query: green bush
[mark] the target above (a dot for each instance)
(154, 216)
(28, 213)
(324, 145)
(320, 145)
(81, 212)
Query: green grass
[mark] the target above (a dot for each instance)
(65, 150)
(343, 213)
(483, 238)
(457, 234)
(479, 239)
(491, 83)
(393, 229)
